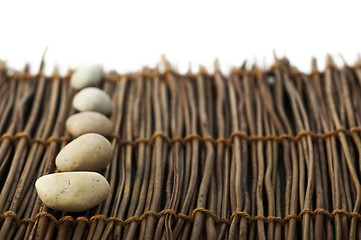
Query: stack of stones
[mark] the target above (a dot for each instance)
(79, 187)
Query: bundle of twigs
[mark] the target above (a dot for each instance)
(256, 154)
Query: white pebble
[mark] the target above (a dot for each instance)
(89, 122)
(72, 191)
(89, 152)
(92, 99)
(86, 76)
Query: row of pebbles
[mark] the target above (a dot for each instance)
(79, 187)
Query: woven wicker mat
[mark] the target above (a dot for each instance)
(254, 154)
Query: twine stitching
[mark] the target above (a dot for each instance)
(190, 219)
(183, 141)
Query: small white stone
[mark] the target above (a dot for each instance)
(86, 76)
(89, 122)
(92, 99)
(89, 152)
(72, 191)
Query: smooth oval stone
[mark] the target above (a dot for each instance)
(72, 191)
(86, 76)
(92, 99)
(89, 152)
(89, 122)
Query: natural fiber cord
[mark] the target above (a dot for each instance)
(190, 219)
(190, 137)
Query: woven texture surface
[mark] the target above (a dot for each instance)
(252, 154)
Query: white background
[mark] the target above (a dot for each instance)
(126, 35)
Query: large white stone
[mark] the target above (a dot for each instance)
(72, 191)
(89, 152)
(92, 99)
(86, 76)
